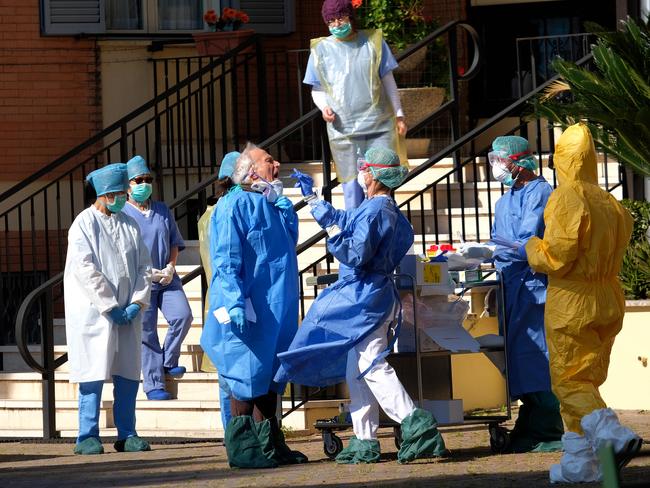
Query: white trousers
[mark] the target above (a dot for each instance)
(379, 387)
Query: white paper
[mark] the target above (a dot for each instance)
(453, 338)
(251, 316)
(221, 314)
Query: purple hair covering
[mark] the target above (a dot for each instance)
(333, 9)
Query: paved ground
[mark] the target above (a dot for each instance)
(204, 464)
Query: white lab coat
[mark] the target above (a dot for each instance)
(107, 265)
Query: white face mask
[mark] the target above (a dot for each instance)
(272, 190)
(362, 181)
(502, 175)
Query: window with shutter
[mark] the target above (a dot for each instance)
(269, 16)
(68, 17)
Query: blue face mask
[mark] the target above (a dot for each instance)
(117, 205)
(141, 192)
(341, 31)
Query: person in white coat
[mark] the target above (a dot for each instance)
(107, 282)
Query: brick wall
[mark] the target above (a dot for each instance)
(49, 93)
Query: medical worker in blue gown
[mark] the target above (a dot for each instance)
(107, 283)
(164, 242)
(519, 215)
(225, 170)
(344, 336)
(253, 312)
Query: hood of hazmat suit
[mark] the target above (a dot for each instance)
(586, 234)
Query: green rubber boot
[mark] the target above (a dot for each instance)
(132, 444)
(360, 451)
(89, 446)
(420, 437)
(538, 427)
(243, 445)
(273, 444)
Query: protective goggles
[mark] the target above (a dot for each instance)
(363, 165)
(502, 158)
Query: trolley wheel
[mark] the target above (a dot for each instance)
(397, 434)
(499, 438)
(332, 444)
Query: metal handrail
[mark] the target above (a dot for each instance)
(47, 369)
(130, 116)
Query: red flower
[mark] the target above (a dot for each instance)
(228, 13)
(357, 3)
(210, 17)
(244, 17)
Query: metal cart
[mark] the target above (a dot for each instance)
(499, 440)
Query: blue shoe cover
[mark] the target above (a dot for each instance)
(175, 371)
(159, 394)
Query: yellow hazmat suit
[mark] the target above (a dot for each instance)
(204, 251)
(587, 232)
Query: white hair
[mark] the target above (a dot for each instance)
(241, 173)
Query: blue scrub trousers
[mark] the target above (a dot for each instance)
(90, 397)
(224, 402)
(176, 310)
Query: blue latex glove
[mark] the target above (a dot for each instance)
(305, 182)
(324, 214)
(238, 319)
(132, 311)
(118, 316)
(283, 203)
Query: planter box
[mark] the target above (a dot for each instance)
(417, 103)
(219, 43)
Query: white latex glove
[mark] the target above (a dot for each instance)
(167, 274)
(156, 275)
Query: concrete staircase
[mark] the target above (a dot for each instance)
(196, 411)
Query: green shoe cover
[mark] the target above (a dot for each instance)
(360, 451)
(132, 444)
(274, 446)
(420, 437)
(89, 446)
(551, 446)
(243, 445)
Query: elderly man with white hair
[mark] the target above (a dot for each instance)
(253, 305)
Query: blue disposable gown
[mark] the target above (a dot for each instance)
(252, 248)
(519, 215)
(373, 240)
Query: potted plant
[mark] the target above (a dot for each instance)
(224, 32)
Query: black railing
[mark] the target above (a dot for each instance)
(535, 55)
(165, 112)
(182, 131)
(458, 204)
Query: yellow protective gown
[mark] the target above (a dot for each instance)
(587, 232)
(204, 251)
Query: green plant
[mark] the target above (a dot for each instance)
(402, 21)
(635, 270)
(614, 100)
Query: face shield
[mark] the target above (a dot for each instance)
(501, 162)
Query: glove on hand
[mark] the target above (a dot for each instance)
(132, 311)
(283, 203)
(305, 182)
(118, 316)
(167, 274)
(238, 319)
(156, 275)
(323, 213)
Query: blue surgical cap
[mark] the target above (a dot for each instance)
(228, 164)
(516, 145)
(109, 179)
(137, 166)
